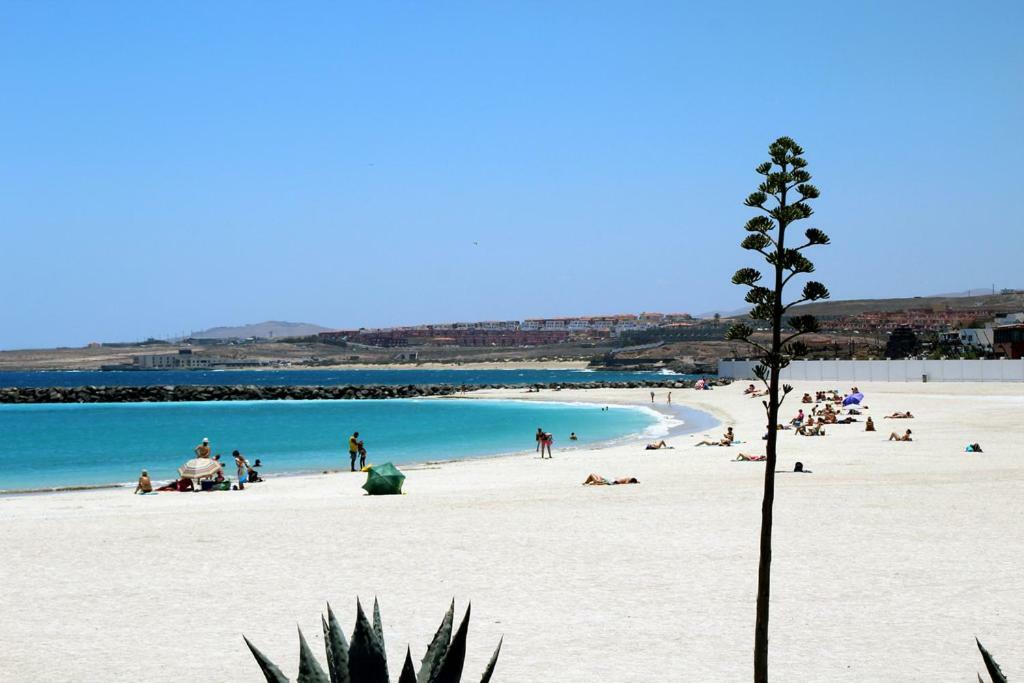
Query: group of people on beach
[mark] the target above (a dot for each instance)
(247, 474)
(356, 449)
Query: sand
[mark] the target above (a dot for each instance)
(889, 558)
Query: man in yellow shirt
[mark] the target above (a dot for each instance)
(353, 449)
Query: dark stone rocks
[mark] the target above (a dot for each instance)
(167, 394)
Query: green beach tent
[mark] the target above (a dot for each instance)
(384, 480)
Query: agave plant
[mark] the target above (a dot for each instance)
(990, 665)
(364, 661)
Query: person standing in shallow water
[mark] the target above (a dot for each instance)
(353, 449)
(540, 440)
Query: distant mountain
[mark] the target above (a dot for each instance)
(725, 314)
(271, 329)
(1011, 302)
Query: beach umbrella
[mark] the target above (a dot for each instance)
(197, 468)
(853, 399)
(384, 480)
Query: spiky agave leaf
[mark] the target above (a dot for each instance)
(438, 646)
(269, 669)
(378, 626)
(450, 670)
(408, 670)
(990, 664)
(331, 672)
(337, 654)
(367, 662)
(309, 668)
(489, 671)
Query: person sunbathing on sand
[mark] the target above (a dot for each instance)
(658, 445)
(597, 480)
(743, 457)
(896, 437)
(750, 389)
(811, 430)
(144, 485)
(807, 399)
(727, 439)
(900, 416)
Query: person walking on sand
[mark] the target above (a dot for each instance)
(545, 443)
(241, 468)
(203, 449)
(652, 397)
(670, 398)
(353, 449)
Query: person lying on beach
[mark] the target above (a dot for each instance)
(845, 421)
(727, 439)
(750, 389)
(900, 416)
(181, 485)
(811, 430)
(657, 446)
(973, 448)
(896, 437)
(597, 480)
(144, 485)
(743, 457)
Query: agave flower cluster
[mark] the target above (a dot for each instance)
(363, 659)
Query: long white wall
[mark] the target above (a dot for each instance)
(886, 370)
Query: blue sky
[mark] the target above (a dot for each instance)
(166, 167)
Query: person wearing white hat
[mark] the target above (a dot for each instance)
(203, 449)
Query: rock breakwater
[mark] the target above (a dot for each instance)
(177, 393)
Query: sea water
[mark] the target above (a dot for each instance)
(57, 445)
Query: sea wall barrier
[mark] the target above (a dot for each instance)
(906, 370)
(249, 392)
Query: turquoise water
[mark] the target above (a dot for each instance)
(54, 445)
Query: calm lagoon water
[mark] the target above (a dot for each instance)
(55, 445)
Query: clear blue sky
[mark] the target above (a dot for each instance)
(172, 166)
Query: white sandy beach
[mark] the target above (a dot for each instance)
(888, 560)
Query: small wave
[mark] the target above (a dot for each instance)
(662, 427)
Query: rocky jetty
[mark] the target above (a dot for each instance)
(250, 392)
